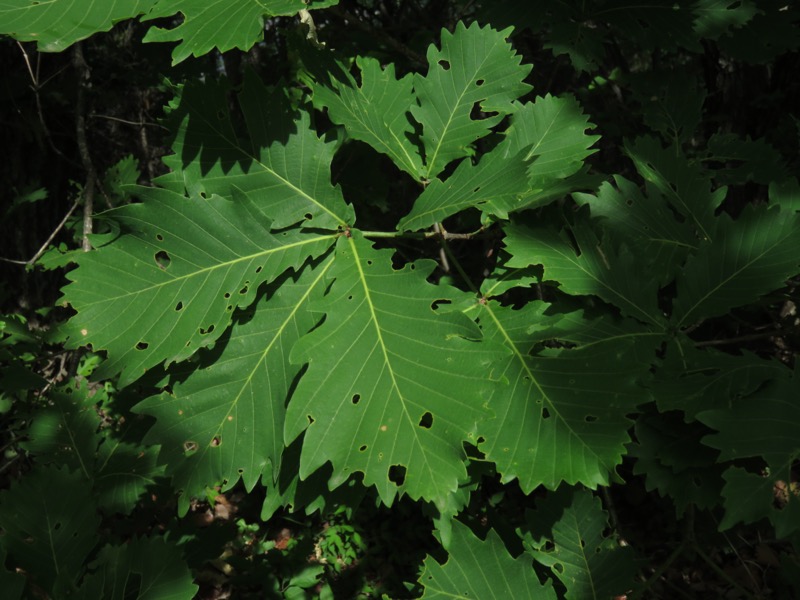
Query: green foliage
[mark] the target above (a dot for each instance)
(377, 277)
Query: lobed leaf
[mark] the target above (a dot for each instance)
(225, 421)
(476, 68)
(169, 283)
(571, 384)
(393, 387)
(588, 563)
(57, 24)
(279, 164)
(482, 569)
(223, 25)
(375, 112)
(751, 256)
(142, 569)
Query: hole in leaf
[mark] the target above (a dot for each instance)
(142, 346)
(559, 567)
(244, 290)
(308, 216)
(445, 64)
(479, 82)
(57, 526)
(590, 418)
(216, 441)
(350, 297)
(189, 447)
(159, 237)
(437, 303)
(397, 474)
(258, 269)
(310, 419)
(476, 190)
(207, 330)
(226, 295)
(179, 306)
(362, 448)
(162, 259)
(369, 262)
(426, 421)
(356, 398)
(545, 413)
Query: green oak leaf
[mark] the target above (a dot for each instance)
(279, 164)
(596, 266)
(142, 569)
(169, 283)
(223, 25)
(375, 112)
(49, 532)
(476, 67)
(750, 257)
(393, 387)
(57, 24)
(590, 564)
(571, 384)
(225, 421)
(482, 569)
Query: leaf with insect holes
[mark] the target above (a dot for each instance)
(481, 569)
(221, 25)
(225, 420)
(567, 533)
(476, 68)
(393, 387)
(375, 112)
(169, 283)
(278, 162)
(571, 384)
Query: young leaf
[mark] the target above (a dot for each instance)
(475, 69)
(393, 387)
(142, 569)
(280, 164)
(201, 29)
(750, 257)
(482, 569)
(225, 421)
(571, 384)
(168, 285)
(376, 112)
(588, 563)
(50, 533)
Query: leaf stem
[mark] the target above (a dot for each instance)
(419, 235)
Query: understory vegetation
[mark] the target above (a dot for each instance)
(399, 299)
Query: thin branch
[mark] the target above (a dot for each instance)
(741, 338)
(83, 148)
(420, 235)
(44, 246)
(117, 119)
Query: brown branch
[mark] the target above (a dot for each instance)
(741, 338)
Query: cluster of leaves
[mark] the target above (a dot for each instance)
(266, 321)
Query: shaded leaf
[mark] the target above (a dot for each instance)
(478, 568)
(49, 533)
(589, 563)
(142, 569)
(751, 256)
